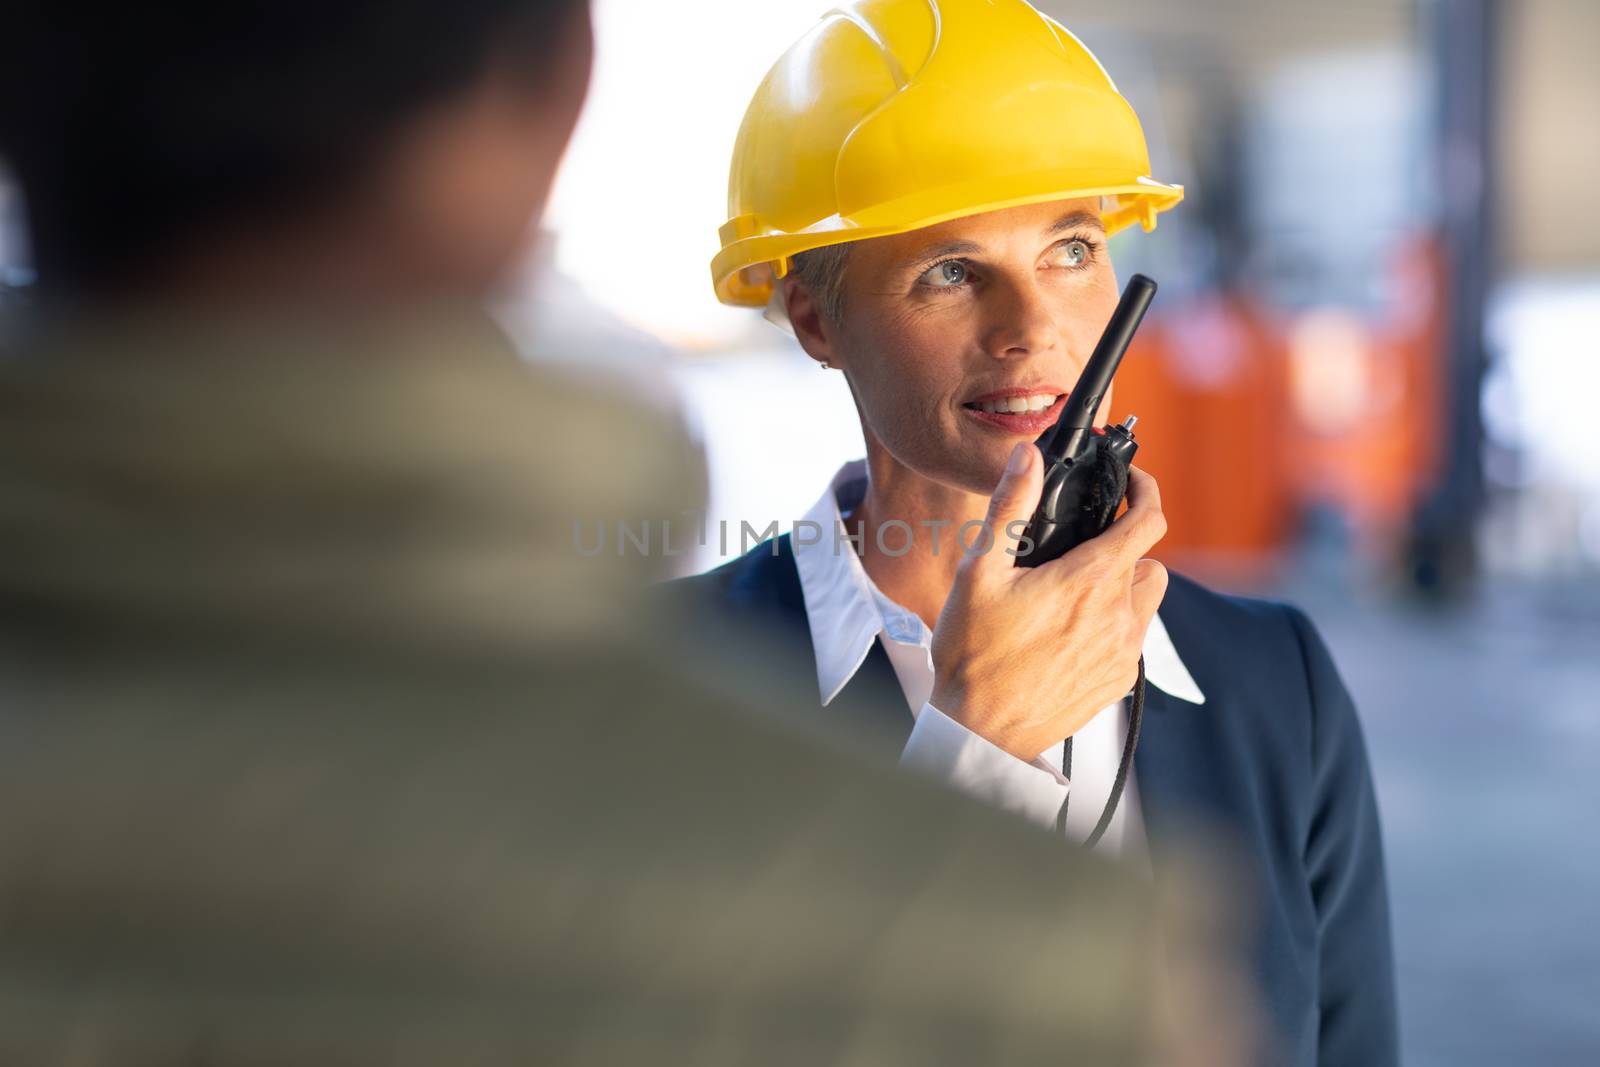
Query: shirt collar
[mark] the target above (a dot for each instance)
(847, 612)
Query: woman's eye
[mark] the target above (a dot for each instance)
(1074, 253)
(951, 272)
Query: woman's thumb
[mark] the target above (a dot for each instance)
(1014, 499)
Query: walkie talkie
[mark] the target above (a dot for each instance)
(1086, 467)
(1085, 479)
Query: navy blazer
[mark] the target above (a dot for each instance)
(1274, 758)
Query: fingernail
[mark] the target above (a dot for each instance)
(1019, 459)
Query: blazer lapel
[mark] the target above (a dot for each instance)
(1175, 766)
(873, 705)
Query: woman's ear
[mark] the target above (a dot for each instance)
(811, 328)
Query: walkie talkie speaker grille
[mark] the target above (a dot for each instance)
(1108, 484)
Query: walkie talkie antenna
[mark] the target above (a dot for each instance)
(1077, 415)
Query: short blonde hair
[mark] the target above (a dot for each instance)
(821, 270)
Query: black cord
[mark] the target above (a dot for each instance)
(1135, 719)
(1066, 772)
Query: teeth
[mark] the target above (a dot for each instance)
(1017, 405)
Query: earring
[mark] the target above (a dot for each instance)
(825, 366)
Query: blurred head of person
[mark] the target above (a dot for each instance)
(347, 153)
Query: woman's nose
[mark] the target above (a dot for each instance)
(1021, 322)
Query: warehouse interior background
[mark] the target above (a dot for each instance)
(1367, 386)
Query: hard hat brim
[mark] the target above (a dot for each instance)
(746, 269)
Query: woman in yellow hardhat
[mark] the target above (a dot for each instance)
(923, 189)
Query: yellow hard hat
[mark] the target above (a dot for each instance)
(891, 115)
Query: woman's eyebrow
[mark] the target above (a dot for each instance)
(949, 248)
(1076, 219)
(1070, 221)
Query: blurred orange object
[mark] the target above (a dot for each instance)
(1367, 398)
(1208, 384)
(1245, 420)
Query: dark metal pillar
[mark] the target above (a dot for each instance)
(1463, 35)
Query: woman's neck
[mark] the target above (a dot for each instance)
(912, 527)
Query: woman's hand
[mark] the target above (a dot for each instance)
(1025, 656)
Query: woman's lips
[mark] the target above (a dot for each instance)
(1028, 423)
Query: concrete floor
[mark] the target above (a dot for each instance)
(1483, 723)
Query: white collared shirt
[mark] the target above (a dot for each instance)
(848, 612)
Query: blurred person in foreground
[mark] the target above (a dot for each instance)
(318, 741)
(924, 192)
